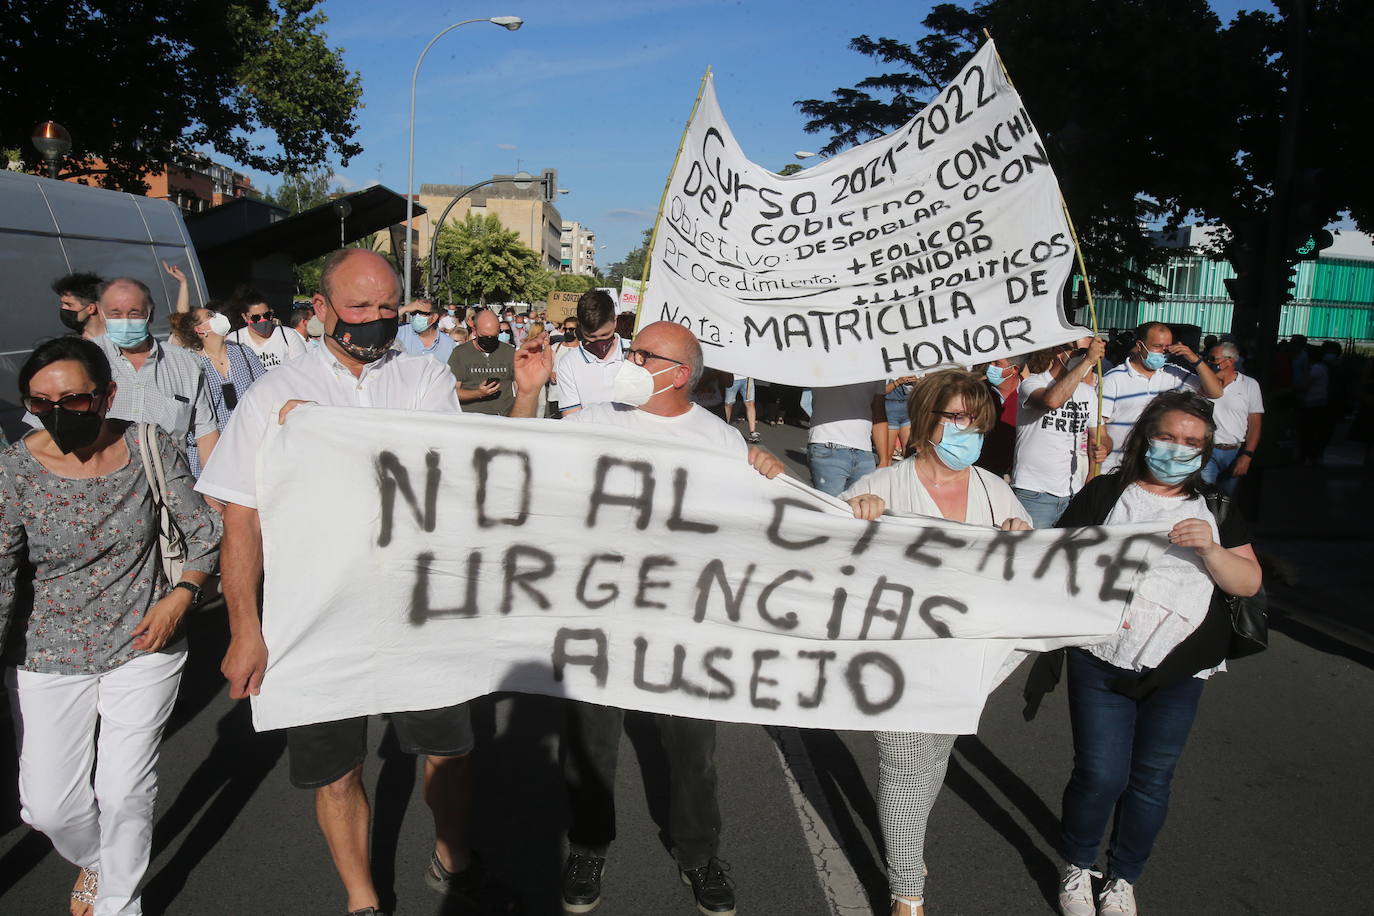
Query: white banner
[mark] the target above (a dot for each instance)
(415, 560)
(943, 243)
(630, 292)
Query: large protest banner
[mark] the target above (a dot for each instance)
(411, 565)
(942, 243)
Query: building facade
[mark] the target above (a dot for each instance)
(578, 250)
(524, 211)
(193, 182)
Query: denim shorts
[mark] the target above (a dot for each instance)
(741, 385)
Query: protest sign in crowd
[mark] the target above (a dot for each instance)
(381, 550)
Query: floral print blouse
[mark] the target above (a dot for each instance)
(79, 562)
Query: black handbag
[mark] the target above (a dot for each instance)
(1249, 616)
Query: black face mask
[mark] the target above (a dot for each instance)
(72, 320)
(366, 341)
(70, 429)
(489, 344)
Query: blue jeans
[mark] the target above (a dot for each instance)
(1043, 508)
(835, 468)
(1124, 755)
(1218, 470)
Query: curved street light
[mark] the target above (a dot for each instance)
(522, 181)
(510, 23)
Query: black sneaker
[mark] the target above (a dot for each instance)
(712, 887)
(582, 883)
(469, 890)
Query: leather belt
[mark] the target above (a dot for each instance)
(1228, 448)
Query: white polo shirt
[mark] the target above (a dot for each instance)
(1126, 393)
(583, 379)
(397, 381)
(1232, 410)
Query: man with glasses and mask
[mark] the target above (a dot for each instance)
(586, 374)
(651, 394)
(1056, 429)
(1131, 386)
(259, 332)
(356, 367)
(1239, 415)
(420, 334)
(484, 368)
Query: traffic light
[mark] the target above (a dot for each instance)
(1288, 291)
(1313, 243)
(550, 182)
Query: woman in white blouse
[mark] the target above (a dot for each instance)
(950, 413)
(1132, 699)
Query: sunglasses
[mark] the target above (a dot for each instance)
(77, 403)
(257, 319)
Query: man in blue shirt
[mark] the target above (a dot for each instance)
(420, 335)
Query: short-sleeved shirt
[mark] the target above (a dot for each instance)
(244, 369)
(1051, 445)
(843, 414)
(1126, 392)
(1231, 412)
(697, 424)
(397, 381)
(168, 389)
(411, 343)
(282, 346)
(471, 366)
(584, 380)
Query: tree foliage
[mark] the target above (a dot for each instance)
(144, 83)
(575, 283)
(298, 192)
(633, 264)
(1153, 112)
(482, 261)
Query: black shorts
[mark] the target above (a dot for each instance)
(326, 751)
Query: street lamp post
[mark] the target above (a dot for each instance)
(506, 22)
(52, 142)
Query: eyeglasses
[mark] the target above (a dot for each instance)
(640, 357)
(78, 403)
(960, 419)
(255, 319)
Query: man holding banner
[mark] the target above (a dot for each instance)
(652, 392)
(359, 291)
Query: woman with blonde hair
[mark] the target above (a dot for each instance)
(951, 411)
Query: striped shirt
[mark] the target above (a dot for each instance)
(244, 369)
(168, 389)
(1126, 392)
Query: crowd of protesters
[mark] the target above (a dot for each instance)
(1036, 440)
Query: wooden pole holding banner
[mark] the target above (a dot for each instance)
(1094, 466)
(653, 236)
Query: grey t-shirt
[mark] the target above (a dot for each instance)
(93, 568)
(472, 366)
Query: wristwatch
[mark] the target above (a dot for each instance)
(1247, 453)
(195, 590)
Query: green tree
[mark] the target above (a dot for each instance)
(482, 261)
(1155, 112)
(145, 83)
(575, 283)
(632, 266)
(298, 192)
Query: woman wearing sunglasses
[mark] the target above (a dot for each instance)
(229, 367)
(950, 411)
(95, 640)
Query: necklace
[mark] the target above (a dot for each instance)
(930, 480)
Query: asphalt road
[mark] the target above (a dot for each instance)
(1270, 808)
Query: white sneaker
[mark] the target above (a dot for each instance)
(1076, 891)
(1117, 898)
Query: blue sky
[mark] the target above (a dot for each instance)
(598, 89)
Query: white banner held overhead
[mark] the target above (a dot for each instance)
(413, 562)
(942, 243)
(630, 293)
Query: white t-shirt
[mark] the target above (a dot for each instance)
(584, 380)
(1232, 410)
(1171, 597)
(697, 424)
(843, 414)
(1126, 393)
(396, 380)
(1051, 445)
(284, 344)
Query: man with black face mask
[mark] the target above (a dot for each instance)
(77, 295)
(356, 367)
(485, 369)
(586, 375)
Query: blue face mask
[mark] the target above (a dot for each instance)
(1172, 462)
(126, 333)
(504, 337)
(419, 323)
(1155, 361)
(996, 374)
(958, 448)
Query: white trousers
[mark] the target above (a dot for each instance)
(108, 825)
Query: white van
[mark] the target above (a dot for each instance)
(52, 228)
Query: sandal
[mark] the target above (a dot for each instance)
(88, 887)
(901, 906)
